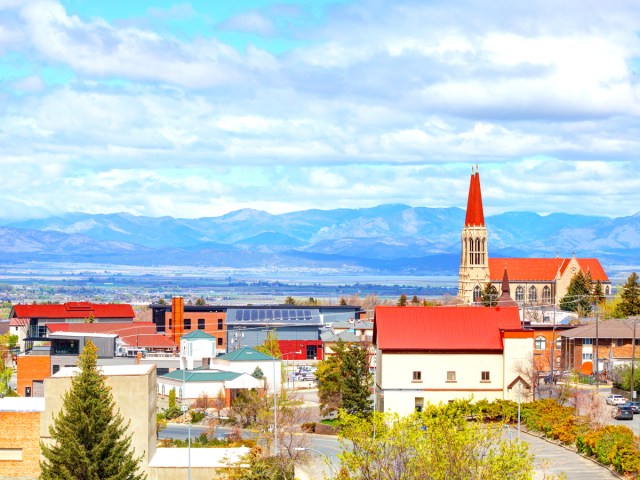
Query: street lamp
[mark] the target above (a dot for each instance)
(328, 460)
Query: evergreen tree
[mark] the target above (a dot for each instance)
(630, 297)
(90, 441)
(598, 293)
(258, 373)
(289, 301)
(415, 300)
(578, 296)
(343, 301)
(330, 380)
(489, 295)
(356, 381)
(402, 301)
(200, 301)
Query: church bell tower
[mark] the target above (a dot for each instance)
(474, 261)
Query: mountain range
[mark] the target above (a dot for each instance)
(387, 239)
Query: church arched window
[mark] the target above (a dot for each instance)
(519, 294)
(484, 250)
(541, 343)
(476, 294)
(477, 251)
(606, 292)
(471, 251)
(546, 294)
(533, 294)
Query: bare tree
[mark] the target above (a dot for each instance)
(529, 369)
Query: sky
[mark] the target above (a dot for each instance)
(195, 109)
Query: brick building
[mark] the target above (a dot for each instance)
(20, 438)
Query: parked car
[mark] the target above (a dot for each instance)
(634, 406)
(622, 413)
(616, 400)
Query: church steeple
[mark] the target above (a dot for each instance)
(474, 261)
(475, 213)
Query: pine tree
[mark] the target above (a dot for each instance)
(630, 297)
(578, 296)
(356, 381)
(598, 293)
(489, 295)
(402, 301)
(89, 440)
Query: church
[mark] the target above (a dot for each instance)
(532, 281)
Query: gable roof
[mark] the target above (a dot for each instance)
(443, 328)
(346, 336)
(475, 213)
(198, 335)
(202, 375)
(140, 334)
(18, 322)
(541, 269)
(246, 354)
(73, 310)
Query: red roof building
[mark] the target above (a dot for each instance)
(75, 310)
(533, 281)
(438, 354)
(136, 334)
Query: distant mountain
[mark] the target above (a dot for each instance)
(387, 238)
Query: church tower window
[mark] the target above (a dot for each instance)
(476, 294)
(519, 294)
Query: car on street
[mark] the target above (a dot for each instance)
(614, 399)
(622, 413)
(634, 406)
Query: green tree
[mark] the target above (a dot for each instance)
(356, 381)
(200, 301)
(270, 346)
(415, 300)
(578, 297)
(402, 301)
(343, 301)
(330, 380)
(161, 301)
(629, 297)
(489, 295)
(258, 373)
(431, 445)
(89, 440)
(289, 301)
(598, 294)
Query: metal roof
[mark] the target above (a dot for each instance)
(198, 335)
(245, 354)
(274, 316)
(443, 328)
(191, 376)
(614, 328)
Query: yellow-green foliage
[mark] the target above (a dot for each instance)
(612, 445)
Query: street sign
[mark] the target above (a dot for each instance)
(184, 408)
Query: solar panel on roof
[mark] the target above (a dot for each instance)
(246, 314)
(277, 315)
(261, 314)
(269, 314)
(254, 314)
(285, 314)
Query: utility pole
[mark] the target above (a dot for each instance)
(632, 382)
(596, 354)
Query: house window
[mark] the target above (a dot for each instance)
(170, 324)
(56, 369)
(541, 343)
(619, 343)
(607, 291)
(546, 294)
(419, 404)
(485, 377)
(219, 324)
(587, 341)
(533, 294)
(219, 341)
(201, 324)
(451, 376)
(559, 343)
(417, 376)
(187, 324)
(519, 294)
(587, 356)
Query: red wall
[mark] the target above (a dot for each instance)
(288, 347)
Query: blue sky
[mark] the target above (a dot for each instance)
(196, 109)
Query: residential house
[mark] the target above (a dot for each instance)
(608, 343)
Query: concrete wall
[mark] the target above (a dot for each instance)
(133, 394)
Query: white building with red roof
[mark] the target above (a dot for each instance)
(439, 354)
(533, 281)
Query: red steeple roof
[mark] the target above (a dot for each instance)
(475, 214)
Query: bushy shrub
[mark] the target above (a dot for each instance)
(612, 445)
(309, 427)
(196, 416)
(551, 419)
(498, 410)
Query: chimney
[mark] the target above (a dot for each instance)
(177, 311)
